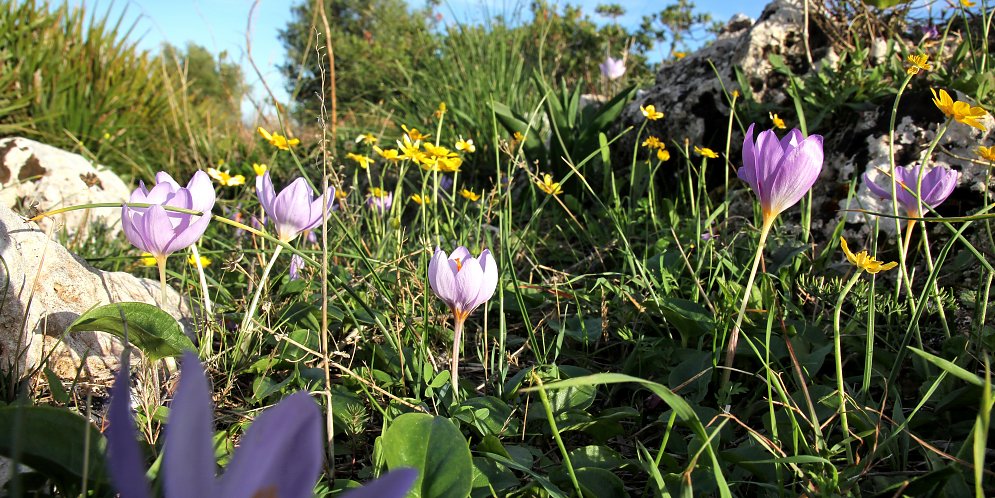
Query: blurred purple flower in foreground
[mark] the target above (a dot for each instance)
(781, 171)
(294, 209)
(937, 184)
(279, 455)
(160, 232)
(612, 69)
(296, 264)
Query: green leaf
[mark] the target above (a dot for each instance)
(150, 329)
(949, 367)
(59, 392)
(53, 441)
(884, 4)
(436, 448)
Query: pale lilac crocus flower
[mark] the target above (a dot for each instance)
(160, 232)
(612, 69)
(463, 283)
(780, 172)
(280, 454)
(294, 209)
(936, 185)
(380, 200)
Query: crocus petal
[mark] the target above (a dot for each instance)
(323, 201)
(265, 192)
(163, 177)
(795, 174)
(156, 230)
(281, 452)
(489, 281)
(202, 191)
(189, 235)
(395, 484)
(769, 154)
(124, 457)
(875, 188)
(937, 185)
(460, 253)
(131, 222)
(161, 193)
(188, 463)
(442, 278)
(468, 281)
(748, 172)
(140, 194)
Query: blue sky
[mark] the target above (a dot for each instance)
(220, 25)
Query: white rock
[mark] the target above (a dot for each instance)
(35, 176)
(45, 288)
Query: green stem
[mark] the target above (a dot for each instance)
(734, 335)
(838, 353)
(556, 435)
(161, 262)
(454, 361)
(246, 327)
(203, 285)
(894, 186)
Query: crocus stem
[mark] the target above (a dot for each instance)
(839, 361)
(161, 262)
(247, 319)
(203, 283)
(908, 236)
(734, 335)
(454, 362)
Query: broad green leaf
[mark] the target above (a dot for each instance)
(150, 329)
(436, 448)
(53, 441)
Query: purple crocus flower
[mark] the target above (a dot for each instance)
(937, 184)
(463, 283)
(781, 171)
(294, 209)
(160, 232)
(395, 484)
(930, 32)
(380, 200)
(612, 69)
(296, 264)
(445, 183)
(280, 454)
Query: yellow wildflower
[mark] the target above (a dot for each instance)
(449, 164)
(679, 55)
(958, 110)
(778, 122)
(470, 195)
(148, 259)
(663, 155)
(465, 145)
(441, 111)
(277, 140)
(735, 94)
(437, 150)
(363, 161)
(653, 143)
(224, 178)
(918, 63)
(259, 169)
(967, 4)
(366, 138)
(410, 150)
(548, 185)
(341, 194)
(378, 192)
(204, 261)
(391, 155)
(650, 112)
(864, 261)
(419, 199)
(415, 134)
(705, 151)
(107, 136)
(987, 153)
(518, 136)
